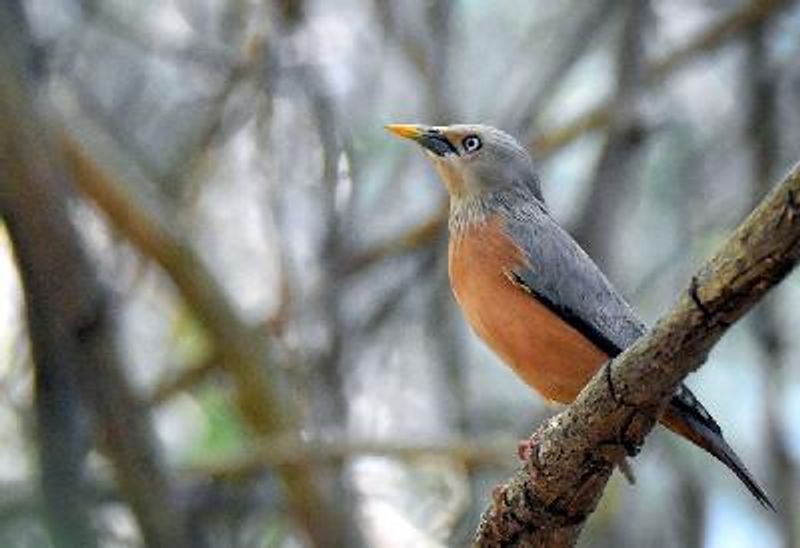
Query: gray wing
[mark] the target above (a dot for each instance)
(563, 276)
(566, 279)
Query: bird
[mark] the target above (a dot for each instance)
(529, 290)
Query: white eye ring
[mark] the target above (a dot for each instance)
(471, 143)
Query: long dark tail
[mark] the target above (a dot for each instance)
(688, 418)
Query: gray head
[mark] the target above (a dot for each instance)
(475, 161)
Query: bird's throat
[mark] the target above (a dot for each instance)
(465, 213)
(451, 176)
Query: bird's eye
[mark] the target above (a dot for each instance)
(471, 143)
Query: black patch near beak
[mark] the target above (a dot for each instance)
(435, 141)
(430, 137)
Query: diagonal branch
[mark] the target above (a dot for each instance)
(547, 502)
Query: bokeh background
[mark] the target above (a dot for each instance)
(271, 264)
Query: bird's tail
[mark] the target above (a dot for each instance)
(688, 418)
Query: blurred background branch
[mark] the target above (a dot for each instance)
(729, 27)
(71, 327)
(242, 349)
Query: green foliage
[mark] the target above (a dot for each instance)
(223, 431)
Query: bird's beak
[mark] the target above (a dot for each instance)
(409, 131)
(430, 137)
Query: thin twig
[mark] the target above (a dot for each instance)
(413, 239)
(188, 378)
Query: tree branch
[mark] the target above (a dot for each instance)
(260, 457)
(614, 173)
(71, 326)
(764, 132)
(242, 350)
(756, 12)
(547, 502)
(188, 377)
(425, 233)
(583, 24)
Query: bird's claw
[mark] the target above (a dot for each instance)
(526, 447)
(527, 451)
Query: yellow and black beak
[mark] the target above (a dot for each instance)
(431, 137)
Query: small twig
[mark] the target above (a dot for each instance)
(185, 380)
(418, 236)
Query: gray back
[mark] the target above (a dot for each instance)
(562, 275)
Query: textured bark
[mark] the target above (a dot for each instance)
(547, 502)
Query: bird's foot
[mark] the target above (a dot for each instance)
(527, 447)
(626, 470)
(528, 452)
(499, 497)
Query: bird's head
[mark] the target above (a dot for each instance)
(474, 161)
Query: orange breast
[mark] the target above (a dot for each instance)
(545, 351)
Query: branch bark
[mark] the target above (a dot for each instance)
(547, 502)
